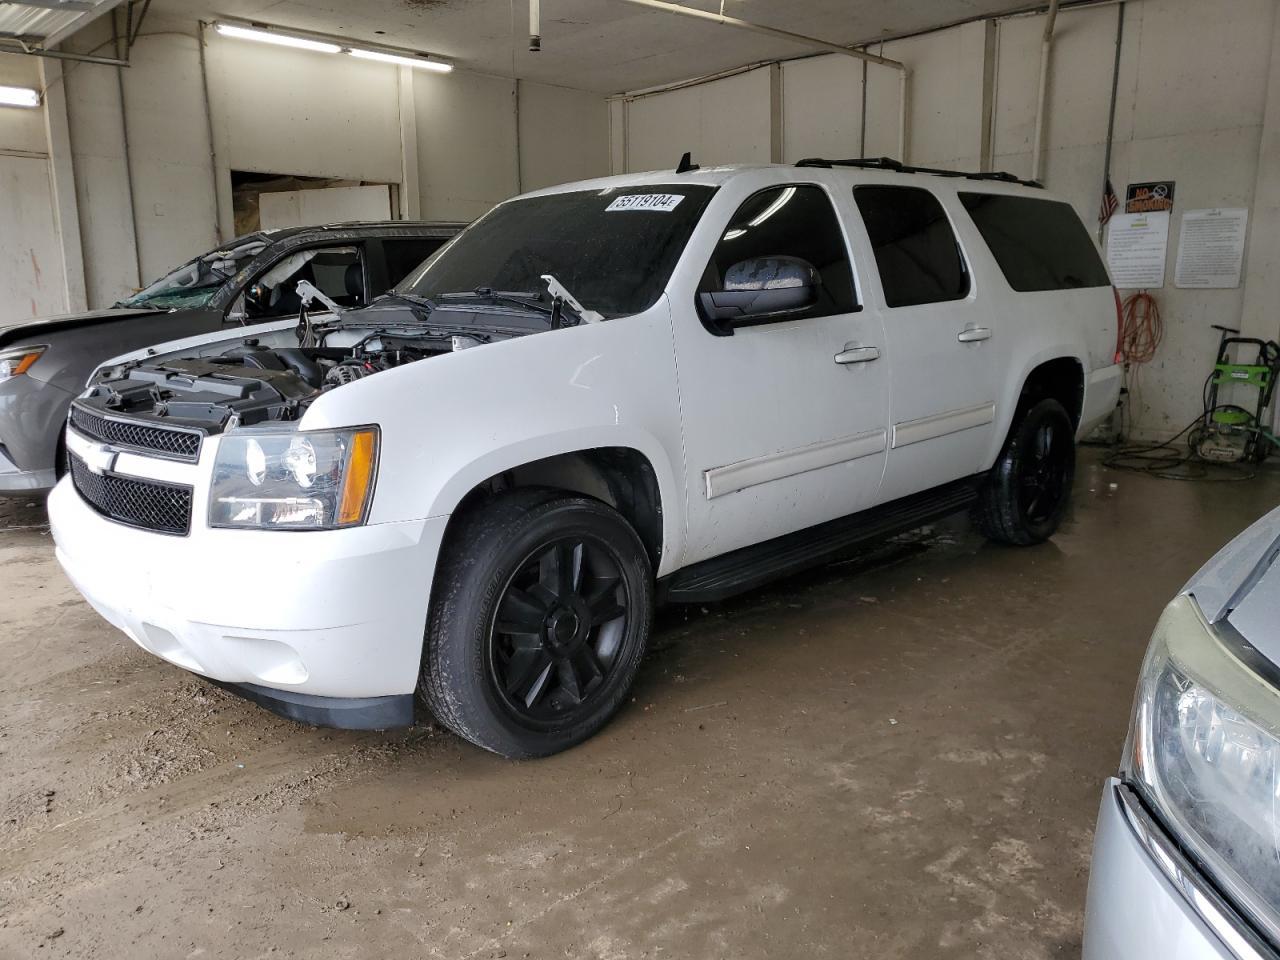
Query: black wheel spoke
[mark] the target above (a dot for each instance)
(603, 603)
(521, 614)
(587, 665)
(1035, 501)
(526, 674)
(571, 685)
(560, 568)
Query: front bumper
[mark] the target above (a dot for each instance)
(1147, 900)
(32, 413)
(13, 479)
(327, 614)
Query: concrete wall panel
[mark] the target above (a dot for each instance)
(30, 259)
(727, 121)
(466, 143)
(286, 111)
(564, 135)
(821, 108)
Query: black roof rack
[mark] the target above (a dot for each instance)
(897, 166)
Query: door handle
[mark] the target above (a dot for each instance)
(853, 353)
(974, 334)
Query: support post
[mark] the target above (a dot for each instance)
(1262, 261)
(62, 176)
(776, 119)
(410, 187)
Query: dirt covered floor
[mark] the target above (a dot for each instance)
(896, 757)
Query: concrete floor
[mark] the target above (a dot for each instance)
(899, 757)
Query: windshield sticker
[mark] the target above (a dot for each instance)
(659, 202)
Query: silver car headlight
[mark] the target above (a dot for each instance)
(295, 480)
(1204, 752)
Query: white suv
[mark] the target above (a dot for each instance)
(667, 385)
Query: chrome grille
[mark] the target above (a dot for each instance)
(149, 504)
(178, 444)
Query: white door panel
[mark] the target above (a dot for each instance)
(942, 338)
(786, 423)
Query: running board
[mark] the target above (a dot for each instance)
(752, 566)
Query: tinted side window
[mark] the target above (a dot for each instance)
(916, 250)
(1039, 244)
(403, 254)
(791, 221)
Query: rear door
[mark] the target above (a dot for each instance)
(941, 337)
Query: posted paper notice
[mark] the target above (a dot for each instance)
(1211, 248)
(1136, 246)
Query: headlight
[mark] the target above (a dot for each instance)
(1204, 751)
(313, 480)
(18, 360)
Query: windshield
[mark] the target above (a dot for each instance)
(193, 284)
(613, 249)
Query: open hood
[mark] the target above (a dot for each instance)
(1241, 586)
(22, 331)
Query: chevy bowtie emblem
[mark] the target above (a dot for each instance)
(100, 458)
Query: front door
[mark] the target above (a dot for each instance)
(785, 421)
(939, 335)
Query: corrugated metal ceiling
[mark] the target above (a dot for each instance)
(38, 21)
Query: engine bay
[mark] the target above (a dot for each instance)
(250, 383)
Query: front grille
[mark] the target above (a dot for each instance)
(178, 444)
(149, 504)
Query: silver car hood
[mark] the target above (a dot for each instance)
(1241, 585)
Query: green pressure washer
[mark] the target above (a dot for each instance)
(1231, 432)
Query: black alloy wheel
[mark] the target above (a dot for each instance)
(539, 616)
(1043, 478)
(1026, 494)
(557, 631)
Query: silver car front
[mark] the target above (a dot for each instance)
(1187, 851)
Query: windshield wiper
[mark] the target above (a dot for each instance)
(421, 306)
(518, 298)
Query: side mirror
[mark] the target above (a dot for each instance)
(256, 297)
(761, 290)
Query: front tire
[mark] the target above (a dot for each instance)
(1025, 496)
(540, 615)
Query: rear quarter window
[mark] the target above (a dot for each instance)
(1039, 244)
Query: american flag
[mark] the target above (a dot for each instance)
(1110, 203)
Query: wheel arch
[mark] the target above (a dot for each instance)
(636, 482)
(1057, 373)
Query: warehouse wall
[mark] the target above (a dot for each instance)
(1193, 95)
(722, 122)
(449, 144)
(31, 277)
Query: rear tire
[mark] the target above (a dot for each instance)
(539, 618)
(1025, 496)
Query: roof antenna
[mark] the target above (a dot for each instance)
(686, 164)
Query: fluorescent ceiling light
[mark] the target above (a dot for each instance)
(774, 207)
(420, 63)
(19, 97)
(280, 39)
